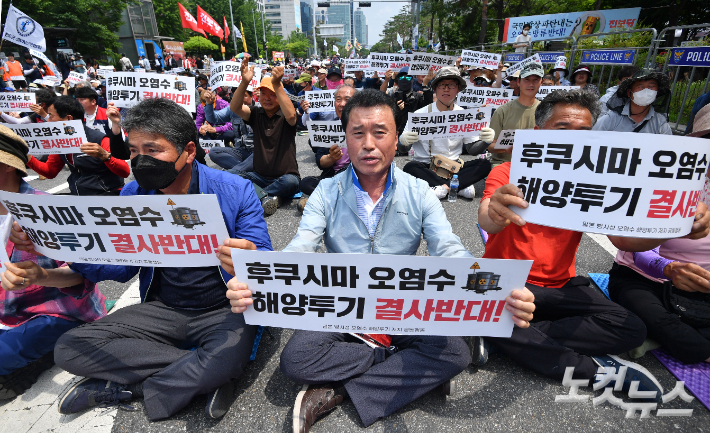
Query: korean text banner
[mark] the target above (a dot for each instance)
(321, 101)
(608, 57)
(613, 183)
(690, 56)
(127, 89)
(557, 26)
(473, 96)
(326, 133)
(50, 138)
(75, 77)
(381, 62)
(535, 58)
(354, 65)
(449, 124)
(211, 144)
(141, 230)
(376, 293)
(16, 101)
(423, 62)
(480, 59)
(229, 74)
(546, 90)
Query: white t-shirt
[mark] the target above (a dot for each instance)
(90, 119)
(448, 147)
(522, 39)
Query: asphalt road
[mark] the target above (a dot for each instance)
(499, 396)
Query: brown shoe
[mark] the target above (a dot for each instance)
(302, 203)
(313, 402)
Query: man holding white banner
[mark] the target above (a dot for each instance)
(575, 324)
(370, 208)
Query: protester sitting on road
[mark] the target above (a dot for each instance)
(575, 325)
(41, 298)
(274, 125)
(44, 98)
(447, 83)
(144, 350)
(210, 130)
(94, 116)
(610, 99)
(240, 157)
(582, 77)
(372, 207)
(642, 282)
(94, 171)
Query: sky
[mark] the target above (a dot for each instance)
(377, 17)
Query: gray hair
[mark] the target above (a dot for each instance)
(579, 97)
(337, 89)
(83, 84)
(161, 116)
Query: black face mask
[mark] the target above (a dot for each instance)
(152, 174)
(405, 85)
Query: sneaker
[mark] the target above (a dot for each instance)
(480, 349)
(20, 380)
(220, 401)
(440, 191)
(302, 203)
(647, 346)
(90, 393)
(468, 192)
(270, 204)
(449, 387)
(634, 372)
(312, 402)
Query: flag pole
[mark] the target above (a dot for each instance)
(256, 37)
(231, 16)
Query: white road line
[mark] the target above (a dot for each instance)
(58, 188)
(36, 409)
(30, 178)
(604, 242)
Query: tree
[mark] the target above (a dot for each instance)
(199, 44)
(298, 44)
(167, 17)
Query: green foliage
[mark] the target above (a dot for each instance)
(696, 89)
(200, 45)
(298, 44)
(167, 17)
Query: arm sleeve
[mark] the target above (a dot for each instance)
(603, 123)
(14, 120)
(476, 147)
(98, 273)
(250, 223)
(118, 147)
(222, 128)
(651, 263)
(312, 226)
(440, 237)
(497, 122)
(201, 117)
(49, 169)
(220, 116)
(117, 166)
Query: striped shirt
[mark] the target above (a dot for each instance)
(368, 211)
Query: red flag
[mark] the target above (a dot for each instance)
(226, 29)
(188, 21)
(208, 24)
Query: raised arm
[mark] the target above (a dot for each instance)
(284, 101)
(237, 105)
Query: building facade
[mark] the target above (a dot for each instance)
(138, 34)
(341, 14)
(360, 22)
(284, 16)
(307, 18)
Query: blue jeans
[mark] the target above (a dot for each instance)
(285, 186)
(28, 342)
(232, 159)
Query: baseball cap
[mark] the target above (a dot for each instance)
(322, 71)
(304, 78)
(335, 71)
(532, 69)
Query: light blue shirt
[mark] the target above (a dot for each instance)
(368, 211)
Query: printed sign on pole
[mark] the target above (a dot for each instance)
(478, 96)
(326, 133)
(141, 230)
(449, 124)
(127, 89)
(382, 294)
(608, 57)
(16, 101)
(354, 65)
(480, 59)
(613, 183)
(228, 74)
(382, 62)
(51, 138)
(422, 63)
(320, 101)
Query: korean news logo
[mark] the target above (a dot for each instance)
(25, 26)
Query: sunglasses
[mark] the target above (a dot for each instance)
(405, 78)
(480, 81)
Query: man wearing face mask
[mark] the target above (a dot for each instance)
(144, 350)
(637, 114)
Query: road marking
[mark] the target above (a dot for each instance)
(30, 178)
(58, 188)
(604, 242)
(36, 409)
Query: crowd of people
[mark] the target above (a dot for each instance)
(186, 338)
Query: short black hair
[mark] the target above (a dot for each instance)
(45, 96)
(86, 92)
(28, 56)
(162, 116)
(202, 77)
(548, 77)
(66, 105)
(627, 72)
(367, 98)
(527, 25)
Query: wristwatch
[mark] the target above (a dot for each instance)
(109, 157)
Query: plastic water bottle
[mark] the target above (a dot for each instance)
(454, 188)
(411, 151)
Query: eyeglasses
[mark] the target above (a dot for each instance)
(405, 78)
(445, 86)
(480, 81)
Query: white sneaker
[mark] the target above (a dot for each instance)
(440, 191)
(468, 192)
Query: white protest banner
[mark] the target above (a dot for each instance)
(290, 74)
(51, 138)
(422, 63)
(5, 229)
(141, 230)
(354, 65)
(16, 101)
(546, 90)
(209, 144)
(613, 183)
(228, 74)
(535, 58)
(101, 73)
(505, 139)
(381, 62)
(326, 133)
(480, 59)
(296, 99)
(108, 67)
(321, 101)
(377, 293)
(44, 82)
(126, 89)
(49, 63)
(473, 96)
(450, 124)
(23, 30)
(141, 70)
(75, 77)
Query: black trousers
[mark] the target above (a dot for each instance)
(471, 172)
(152, 342)
(571, 324)
(643, 297)
(376, 386)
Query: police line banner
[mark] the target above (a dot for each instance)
(521, 64)
(326, 133)
(229, 74)
(141, 230)
(382, 62)
(480, 59)
(546, 90)
(449, 124)
(355, 65)
(17, 101)
(51, 138)
(211, 144)
(550, 57)
(126, 89)
(320, 101)
(608, 57)
(690, 56)
(377, 293)
(473, 96)
(422, 63)
(613, 183)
